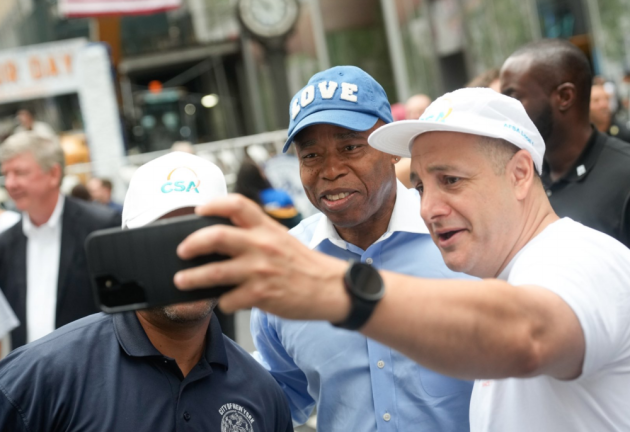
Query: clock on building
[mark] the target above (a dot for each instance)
(268, 19)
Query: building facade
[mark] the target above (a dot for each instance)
(193, 74)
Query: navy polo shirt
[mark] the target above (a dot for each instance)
(101, 373)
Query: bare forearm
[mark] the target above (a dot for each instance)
(438, 323)
(461, 328)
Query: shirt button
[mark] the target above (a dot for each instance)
(369, 260)
(549, 193)
(186, 416)
(387, 417)
(380, 364)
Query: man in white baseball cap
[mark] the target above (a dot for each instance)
(473, 111)
(172, 182)
(160, 369)
(546, 333)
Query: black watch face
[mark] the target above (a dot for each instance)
(366, 282)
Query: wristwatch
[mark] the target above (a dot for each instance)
(365, 287)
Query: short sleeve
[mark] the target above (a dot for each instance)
(22, 384)
(284, 420)
(11, 418)
(591, 275)
(272, 355)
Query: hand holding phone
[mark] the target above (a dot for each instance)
(133, 269)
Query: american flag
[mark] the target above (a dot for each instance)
(92, 8)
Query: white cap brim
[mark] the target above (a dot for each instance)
(145, 218)
(474, 111)
(397, 138)
(154, 213)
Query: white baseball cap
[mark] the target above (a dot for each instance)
(170, 182)
(477, 111)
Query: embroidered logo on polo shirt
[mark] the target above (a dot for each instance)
(235, 419)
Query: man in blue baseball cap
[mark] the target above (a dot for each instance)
(370, 217)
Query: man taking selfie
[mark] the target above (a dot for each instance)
(546, 333)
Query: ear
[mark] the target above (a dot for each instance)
(520, 169)
(565, 96)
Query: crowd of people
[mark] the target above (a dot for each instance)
(468, 269)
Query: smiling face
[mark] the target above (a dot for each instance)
(28, 183)
(470, 207)
(345, 178)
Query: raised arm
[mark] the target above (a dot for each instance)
(479, 329)
(466, 329)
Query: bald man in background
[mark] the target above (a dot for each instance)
(586, 173)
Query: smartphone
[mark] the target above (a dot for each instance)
(133, 269)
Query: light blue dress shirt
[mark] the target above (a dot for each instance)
(358, 384)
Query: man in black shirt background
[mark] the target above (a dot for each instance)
(586, 173)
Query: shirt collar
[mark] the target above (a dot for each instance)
(52, 222)
(584, 163)
(135, 342)
(215, 346)
(405, 218)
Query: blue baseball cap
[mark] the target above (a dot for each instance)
(343, 96)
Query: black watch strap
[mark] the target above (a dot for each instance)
(365, 287)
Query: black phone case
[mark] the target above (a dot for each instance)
(133, 269)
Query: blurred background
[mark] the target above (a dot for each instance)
(119, 84)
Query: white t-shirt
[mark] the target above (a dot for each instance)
(590, 271)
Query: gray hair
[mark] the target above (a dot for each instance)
(46, 150)
(500, 152)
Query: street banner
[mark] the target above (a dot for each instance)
(92, 8)
(71, 66)
(39, 71)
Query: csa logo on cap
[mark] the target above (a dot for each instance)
(181, 185)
